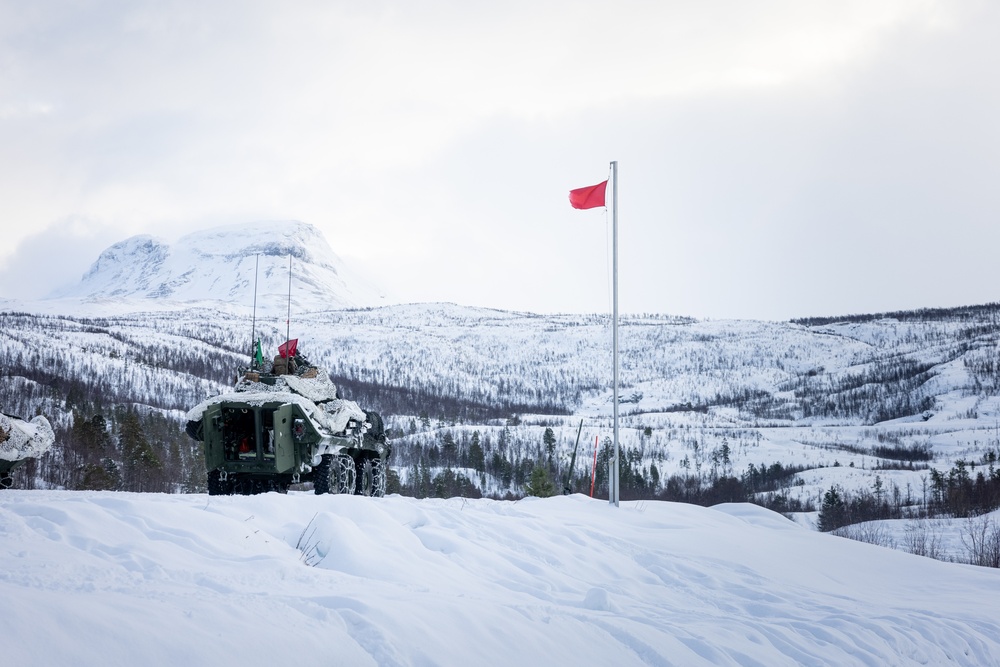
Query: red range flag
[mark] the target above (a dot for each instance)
(589, 197)
(289, 348)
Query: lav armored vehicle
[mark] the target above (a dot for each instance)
(21, 440)
(284, 424)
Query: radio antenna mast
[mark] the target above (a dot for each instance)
(253, 326)
(288, 320)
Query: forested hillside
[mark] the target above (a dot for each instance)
(485, 401)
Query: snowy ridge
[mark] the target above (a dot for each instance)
(220, 265)
(168, 580)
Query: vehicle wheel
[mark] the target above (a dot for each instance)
(335, 474)
(216, 487)
(278, 486)
(244, 486)
(371, 477)
(375, 433)
(321, 476)
(6, 481)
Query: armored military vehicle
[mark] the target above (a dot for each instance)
(21, 440)
(284, 424)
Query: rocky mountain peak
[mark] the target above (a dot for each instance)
(223, 264)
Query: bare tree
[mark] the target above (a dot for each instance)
(921, 538)
(981, 539)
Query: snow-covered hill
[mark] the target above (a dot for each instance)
(868, 405)
(222, 265)
(100, 578)
(703, 398)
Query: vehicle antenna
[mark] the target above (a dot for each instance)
(253, 326)
(288, 320)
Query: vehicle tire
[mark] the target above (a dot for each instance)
(371, 477)
(376, 432)
(6, 481)
(195, 430)
(335, 474)
(321, 476)
(278, 486)
(246, 486)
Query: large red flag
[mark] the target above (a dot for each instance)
(589, 197)
(288, 348)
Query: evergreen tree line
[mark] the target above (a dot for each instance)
(429, 401)
(508, 459)
(122, 449)
(763, 485)
(511, 466)
(887, 389)
(989, 311)
(968, 489)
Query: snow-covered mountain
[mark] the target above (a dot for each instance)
(223, 265)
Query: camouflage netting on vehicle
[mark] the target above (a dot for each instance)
(22, 440)
(317, 397)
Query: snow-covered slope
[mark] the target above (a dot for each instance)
(766, 393)
(100, 578)
(221, 264)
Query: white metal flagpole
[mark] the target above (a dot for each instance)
(614, 479)
(592, 197)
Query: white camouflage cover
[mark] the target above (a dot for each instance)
(21, 440)
(316, 396)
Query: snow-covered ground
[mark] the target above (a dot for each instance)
(103, 578)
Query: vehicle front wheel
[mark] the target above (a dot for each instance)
(335, 474)
(371, 476)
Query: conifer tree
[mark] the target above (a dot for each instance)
(549, 439)
(139, 462)
(540, 485)
(833, 514)
(477, 458)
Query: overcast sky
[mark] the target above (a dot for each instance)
(778, 158)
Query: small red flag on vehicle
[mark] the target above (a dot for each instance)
(588, 197)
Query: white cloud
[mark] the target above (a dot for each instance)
(55, 257)
(398, 128)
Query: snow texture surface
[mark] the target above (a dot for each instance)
(100, 578)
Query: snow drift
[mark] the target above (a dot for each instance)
(96, 578)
